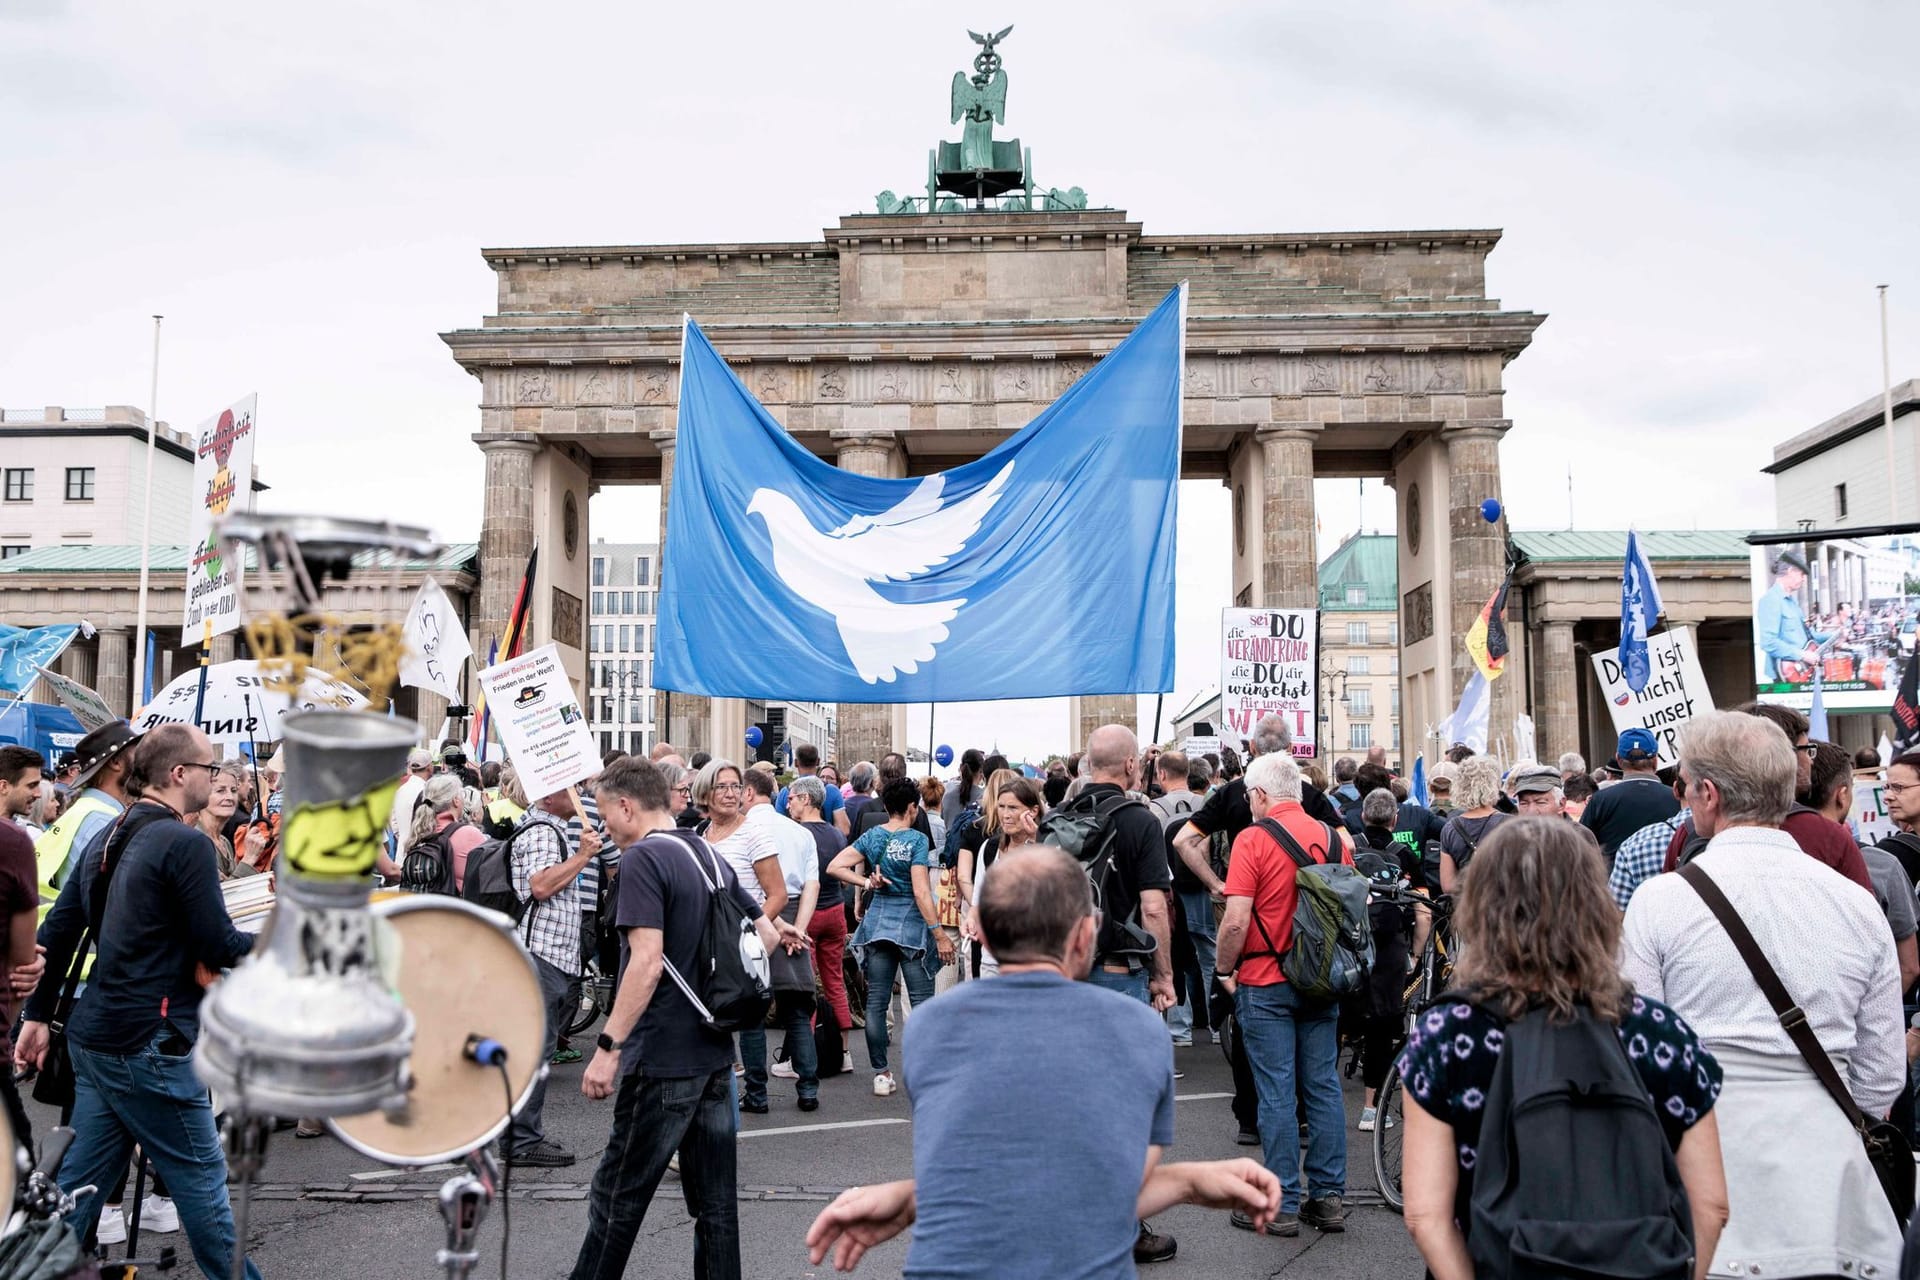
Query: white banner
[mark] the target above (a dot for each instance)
(436, 643)
(1270, 666)
(1870, 810)
(540, 721)
(222, 482)
(88, 707)
(1675, 693)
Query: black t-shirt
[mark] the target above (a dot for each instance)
(663, 887)
(1617, 811)
(1226, 809)
(1462, 835)
(828, 840)
(1139, 855)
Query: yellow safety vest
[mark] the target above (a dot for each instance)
(55, 846)
(503, 810)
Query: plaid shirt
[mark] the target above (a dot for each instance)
(554, 931)
(1641, 855)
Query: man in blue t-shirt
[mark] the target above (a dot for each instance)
(1038, 1179)
(806, 763)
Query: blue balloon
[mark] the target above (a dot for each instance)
(1490, 511)
(943, 755)
(754, 736)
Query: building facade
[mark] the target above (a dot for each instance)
(77, 477)
(1360, 647)
(620, 697)
(1837, 475)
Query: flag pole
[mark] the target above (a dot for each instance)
(146, 511)
(1886, 412)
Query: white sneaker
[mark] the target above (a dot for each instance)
(157, 1214)
(113, 1226)
(673, 1162)
(846, 1063)
(883, 1085)
(1218, 1038)
(1367, 1117)
(784, 1070)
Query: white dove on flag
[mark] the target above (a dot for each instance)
(832, 570)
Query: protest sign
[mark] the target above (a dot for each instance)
(1676, 690)
(88, 707)
(540, 721)
(222, 482)
(1870, 810)
(1270, 665)
(1195, 747)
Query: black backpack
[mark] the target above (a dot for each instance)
(489, 879)
(964, 821)
(731, 985)
(428, 864)
(1575, 1177)
(1084, 827)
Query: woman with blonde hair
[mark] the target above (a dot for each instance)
(1476, 789)
(981, 832)
(1017, 812)
(1542, 940)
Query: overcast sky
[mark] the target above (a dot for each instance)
(1701, 198)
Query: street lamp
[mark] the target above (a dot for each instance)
(627, 679)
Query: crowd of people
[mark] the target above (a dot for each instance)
(1121, 907)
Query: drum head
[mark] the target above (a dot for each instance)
(460, 972)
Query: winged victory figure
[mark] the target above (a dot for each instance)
(982, 100)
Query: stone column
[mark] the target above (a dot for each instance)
(77, 664)
(1085, 714)
(865, 730)
(1478, 552)
(506, 532)
(684, 719)
(114, 681)
(1560, 684)
(223, 647)
(1289, 572)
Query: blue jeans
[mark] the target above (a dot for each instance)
(555, 984)
(153, 1099)
(1287, 1039)
(652, 1119)
(1197, 906)
(1127, 984)
(883, 961)
(792, 1013)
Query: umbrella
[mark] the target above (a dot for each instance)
(240, 705)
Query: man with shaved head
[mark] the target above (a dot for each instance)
(1041, 1107)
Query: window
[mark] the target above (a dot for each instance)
(1840, 502)
(626, 602)
(1356, 633)
(599, 571)
(646, 602)
(1359, 665)
(1394, 701)
(1393, 633)
(643, 571)
(1359, 737)
(12, 549)
(1357, 594)
(1360, 702)
(633, 711)
(606, 710)
(599, 603)
(623, 640)
(1395, 727)
(642, 632)
(79, 484)
(19, 484)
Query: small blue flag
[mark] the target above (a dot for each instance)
(1418, 787)
(23, 652)
(1640, 610)
(153, 653)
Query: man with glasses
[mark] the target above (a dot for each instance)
(162, 927)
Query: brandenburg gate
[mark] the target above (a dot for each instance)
(909, 340)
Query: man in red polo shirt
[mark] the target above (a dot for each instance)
(1291, 1043)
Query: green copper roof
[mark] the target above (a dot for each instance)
(1362, 575)
(458, 556)
(1611, 544)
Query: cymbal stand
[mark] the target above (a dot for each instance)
(463, 1203)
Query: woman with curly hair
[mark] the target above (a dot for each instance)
(1541, 938)
(1476, 790)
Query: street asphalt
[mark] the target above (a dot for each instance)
(321, 1211)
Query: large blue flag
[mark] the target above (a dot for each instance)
(1639, 612)
(1044, 568)
(23, 652)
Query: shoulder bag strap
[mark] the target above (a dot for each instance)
(1792, 1018)
(1293, 850)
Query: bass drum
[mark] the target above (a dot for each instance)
(462, 973)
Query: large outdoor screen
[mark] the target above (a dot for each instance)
(1839, 610)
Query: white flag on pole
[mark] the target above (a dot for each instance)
(1468, 723)
(436, 643)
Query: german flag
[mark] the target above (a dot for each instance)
(506, 648)
(1487, 637)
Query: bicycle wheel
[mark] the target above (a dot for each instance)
(583, 1014)
(1389, 1128)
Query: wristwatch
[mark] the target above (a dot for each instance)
(608, 1043)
